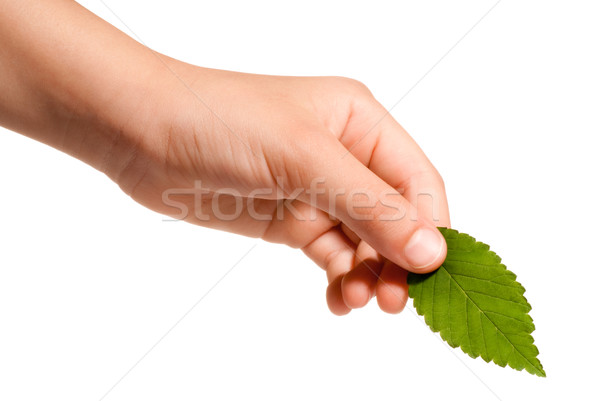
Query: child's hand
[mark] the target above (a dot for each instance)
(314, 163)
(227, 151)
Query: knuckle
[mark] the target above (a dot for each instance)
(351, 86)
(357, 87)
(437, 178)
(430, 175)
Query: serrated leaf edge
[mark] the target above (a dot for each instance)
(529, 366)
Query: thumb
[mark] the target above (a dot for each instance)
(375, 211)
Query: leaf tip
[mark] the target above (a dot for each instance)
(476, 304)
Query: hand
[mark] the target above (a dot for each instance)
(314, 163)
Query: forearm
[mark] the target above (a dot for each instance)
(73, 81)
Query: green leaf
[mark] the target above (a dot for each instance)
(477, 304)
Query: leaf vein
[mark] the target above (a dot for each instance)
(471, 263)
(497, 328)
(496, 297)
(485, 279)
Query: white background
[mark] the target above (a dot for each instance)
(90, 281)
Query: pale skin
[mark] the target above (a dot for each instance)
(152, 123)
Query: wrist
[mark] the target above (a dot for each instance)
(83, 89)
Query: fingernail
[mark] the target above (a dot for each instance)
(423, 248)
